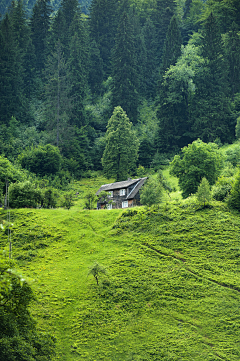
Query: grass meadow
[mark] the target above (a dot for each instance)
(171, 290)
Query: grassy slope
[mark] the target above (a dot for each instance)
(172, 290)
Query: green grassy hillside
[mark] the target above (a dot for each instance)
(172, 286)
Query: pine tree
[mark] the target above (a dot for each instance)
(204, 193)
(232, 47)
(58, 103)
(120, 154)
(96, 69)
(172, 45)
(103, 26)
(11, 82)
(210, 106)
(40, 23)
(151, 64)
(165, 9)
(124, 74)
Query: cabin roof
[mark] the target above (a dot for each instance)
(124, 184)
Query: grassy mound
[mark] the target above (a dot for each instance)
(171, 291)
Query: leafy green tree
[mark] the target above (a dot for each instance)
(67, 201)
(151, 192)
(19, 337)
(124, 73)
(96, 270)
(204, 192)
(10, 173)
(90, 200)
(121, 151)
(237, 128)
(196, 161)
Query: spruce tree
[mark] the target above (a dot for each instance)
(165, 9)
(102, 27)
(232, 48)
(121, 151)
(210, 106)
(40, 23)
(11, 81)
(151, 64)
(172, 45)
(96, 69)
(124, 74)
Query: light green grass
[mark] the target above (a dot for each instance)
(171, 290)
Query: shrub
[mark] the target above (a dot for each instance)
(222, 188)
(24, 194)
(234, 198)
(42, 160)
(233, 154)
(90, 200)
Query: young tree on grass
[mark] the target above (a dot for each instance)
(90, 200)
(151, 193)
(96, 270)
(121, 151)
(204, 193)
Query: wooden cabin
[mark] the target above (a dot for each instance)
(121, 194)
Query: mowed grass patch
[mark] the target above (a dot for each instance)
(171, 291)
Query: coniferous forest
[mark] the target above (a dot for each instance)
(172, 66)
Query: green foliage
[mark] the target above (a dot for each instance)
(233, 154)
(196, 161)
(151, 192)
(121, 151)
(204, 192)
(222, 188)
(96, 270)
(42, 160)
(49, 198)
(90, 200)
(24, 194)
(10, 172)
(237, 128)
(234, 198)
(67, 201)
(19, 338)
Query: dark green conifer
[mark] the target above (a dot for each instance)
(124, 73)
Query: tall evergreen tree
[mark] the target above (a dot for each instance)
(103, 26)
(165, 9)
(40, 23)
(124, 74)
(78, 64)
(210, 107)
(12, 99)
(57, 103)
(120, 154)
(172, 45)
(96, 69)
(151, 64)
(232, 47)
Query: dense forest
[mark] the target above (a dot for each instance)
(172, 66)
